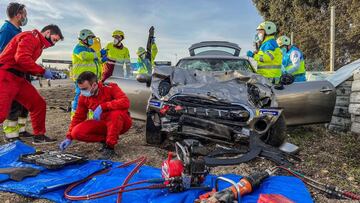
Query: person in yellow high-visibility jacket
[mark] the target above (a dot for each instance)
(118, 55)
(145, 65)
(146, 57)
(268, 56)
(84, 59)
(293, 59)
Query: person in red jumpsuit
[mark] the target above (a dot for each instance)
(18, 59)
(111, 117)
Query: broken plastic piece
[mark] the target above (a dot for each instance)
(289, 148)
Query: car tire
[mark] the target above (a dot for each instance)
(153, 134)
(277, 133)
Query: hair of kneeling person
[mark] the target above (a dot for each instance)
(86, 76)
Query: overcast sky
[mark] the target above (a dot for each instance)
(178, 23)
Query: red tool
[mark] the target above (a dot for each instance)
(187, 171)
(237, 190)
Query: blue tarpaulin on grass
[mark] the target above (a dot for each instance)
(50, 184)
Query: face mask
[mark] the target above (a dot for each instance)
(283, 50)
(89, 93)
(142, 56)
(49, 40)
(23, 21)
(260, 36)
(90, 41)
(256, 38)
(116, 41)
(85, 93)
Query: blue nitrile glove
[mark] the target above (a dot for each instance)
(65, 144)
(104, 59)
(250, 54)
(97, 113)
(48, 74)
(103, 52)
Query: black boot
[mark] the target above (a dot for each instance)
(42, 139)
(107, 153)
(25, 134)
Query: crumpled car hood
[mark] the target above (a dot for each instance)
(229, 87)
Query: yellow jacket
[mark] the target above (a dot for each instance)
(269, 58)
(85, 59)
(117, 54)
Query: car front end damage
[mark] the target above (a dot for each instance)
(221, 107)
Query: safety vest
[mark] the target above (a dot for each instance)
(288, 64)
(144, 64)
(117, 54)
(269, 58)
(84, 59)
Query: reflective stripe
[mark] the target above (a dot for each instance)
(12, 135)
(22, 120)
(269, 67)
(9, 123)
(22, 129)
(261, 59)
(269, 54)
(84, 65)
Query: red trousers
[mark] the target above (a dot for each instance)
(16, 88)
(111, 125)
(108, 70)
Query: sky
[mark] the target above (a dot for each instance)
(178, 23)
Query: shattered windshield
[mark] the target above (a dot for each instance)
(215, 64)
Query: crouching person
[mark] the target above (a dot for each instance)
(111, 117)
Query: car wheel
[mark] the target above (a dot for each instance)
(153, 126)
(277, 133)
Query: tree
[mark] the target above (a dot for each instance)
(310, 22)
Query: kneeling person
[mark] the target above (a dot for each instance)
(111, 117)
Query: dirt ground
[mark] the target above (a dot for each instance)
(329, 158)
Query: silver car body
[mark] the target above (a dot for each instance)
(302, 103)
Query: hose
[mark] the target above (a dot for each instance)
(329, 189)
(116, 190)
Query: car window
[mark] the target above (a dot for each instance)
(125, 69)
(216, 64)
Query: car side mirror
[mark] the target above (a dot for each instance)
(144, 78)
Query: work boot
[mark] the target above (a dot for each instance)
(43, 139)
(107, 153)
(22, 128)
(25, 134)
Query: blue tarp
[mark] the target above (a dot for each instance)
(51, 184)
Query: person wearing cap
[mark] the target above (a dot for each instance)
(146, 57)
(117, 55)
(268, 56)
(293, 59)
(84, 58)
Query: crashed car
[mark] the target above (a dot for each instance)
(219, 106)
(214, 94)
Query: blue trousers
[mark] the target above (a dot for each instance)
(300, 78)
(76, 98)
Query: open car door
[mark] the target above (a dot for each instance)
(307, 102)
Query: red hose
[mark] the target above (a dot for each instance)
(117, 190)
